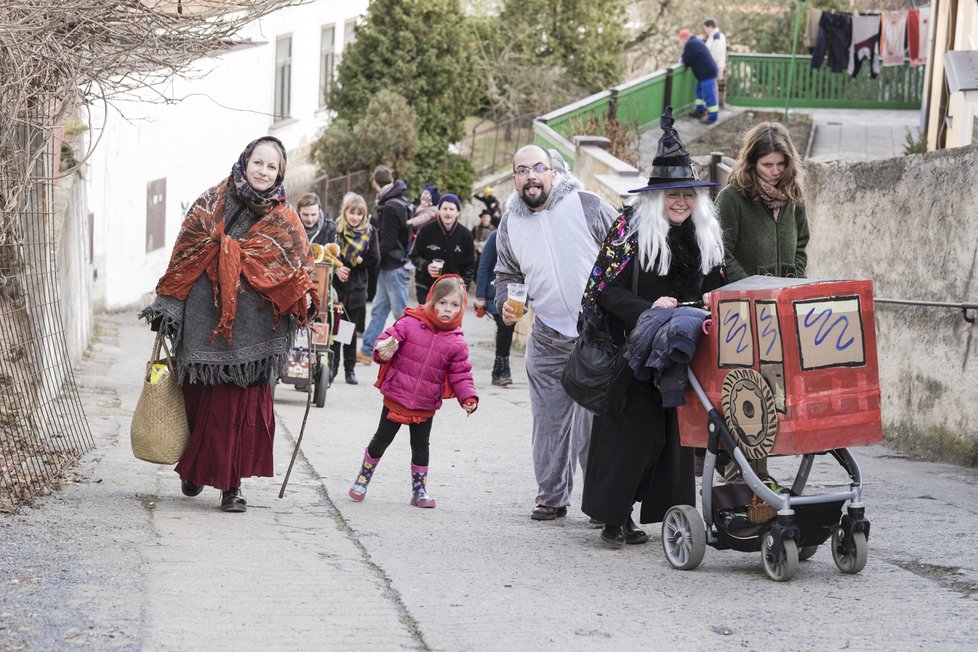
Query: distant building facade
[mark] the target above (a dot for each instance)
(153, 159)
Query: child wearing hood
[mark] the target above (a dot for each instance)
(424, 359)
(426, 212)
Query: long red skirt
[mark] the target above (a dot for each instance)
(232, 430)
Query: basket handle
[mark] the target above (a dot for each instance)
(160, 343)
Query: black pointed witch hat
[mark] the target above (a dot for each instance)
(671, 167)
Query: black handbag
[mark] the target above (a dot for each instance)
(597, 375)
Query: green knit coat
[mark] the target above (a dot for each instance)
(755, 243)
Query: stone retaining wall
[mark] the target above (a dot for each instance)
(911, 225)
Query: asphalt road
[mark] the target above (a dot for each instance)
(120, 559)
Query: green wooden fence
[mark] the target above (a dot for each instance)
(755, 80)
(762, 80)
(640, 102)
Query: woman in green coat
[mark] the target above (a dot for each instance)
(762, 214)
(762, 210)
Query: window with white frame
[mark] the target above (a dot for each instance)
(283, 77)
(349, 33)
(327, 54)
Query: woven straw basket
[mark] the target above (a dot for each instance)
(760, 512)
(159, 431)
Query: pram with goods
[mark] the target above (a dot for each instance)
(310, 355)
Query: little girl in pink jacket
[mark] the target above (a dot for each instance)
(424, 360)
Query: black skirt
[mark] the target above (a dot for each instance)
(635, 456)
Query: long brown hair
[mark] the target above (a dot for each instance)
(761, 140)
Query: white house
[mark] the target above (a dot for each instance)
(951, 88)
(153, 159)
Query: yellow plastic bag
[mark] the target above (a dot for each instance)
(158, 373)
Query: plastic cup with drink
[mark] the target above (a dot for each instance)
(516, 299)
(437, 264)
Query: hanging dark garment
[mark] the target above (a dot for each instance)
(834, 36)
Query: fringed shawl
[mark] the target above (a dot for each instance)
(273, 257)
(202, 295)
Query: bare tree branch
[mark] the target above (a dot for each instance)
(57, 54)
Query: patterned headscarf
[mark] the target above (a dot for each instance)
(259, 202)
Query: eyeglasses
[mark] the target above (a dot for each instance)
(522, 170)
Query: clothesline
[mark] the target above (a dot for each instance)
(888, 37)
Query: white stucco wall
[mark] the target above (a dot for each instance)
(74, 272)
(953, 26)
(223, 104)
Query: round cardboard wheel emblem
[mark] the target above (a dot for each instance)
(748, 408)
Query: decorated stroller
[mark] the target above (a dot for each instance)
(310, 355)
(788, 367)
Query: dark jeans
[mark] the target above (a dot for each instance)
(504, 336)
(420, 432)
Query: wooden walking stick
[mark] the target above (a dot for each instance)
(305, 416)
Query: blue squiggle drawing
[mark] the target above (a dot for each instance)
(826, 327)
(738, 330)
(766, 318)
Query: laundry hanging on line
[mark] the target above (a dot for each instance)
(846, 40)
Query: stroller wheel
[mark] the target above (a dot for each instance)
(785, 568)
(321, 384)
(683, 537)
(853, 559)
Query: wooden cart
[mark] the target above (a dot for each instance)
(310, 355)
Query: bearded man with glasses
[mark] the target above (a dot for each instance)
(548, 239)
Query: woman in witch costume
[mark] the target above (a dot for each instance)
(671, 233)
(235, 290)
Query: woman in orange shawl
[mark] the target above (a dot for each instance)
(236, 289)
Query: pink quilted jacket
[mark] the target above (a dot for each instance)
(423, 361)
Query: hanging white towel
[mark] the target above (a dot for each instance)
(894, 38)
